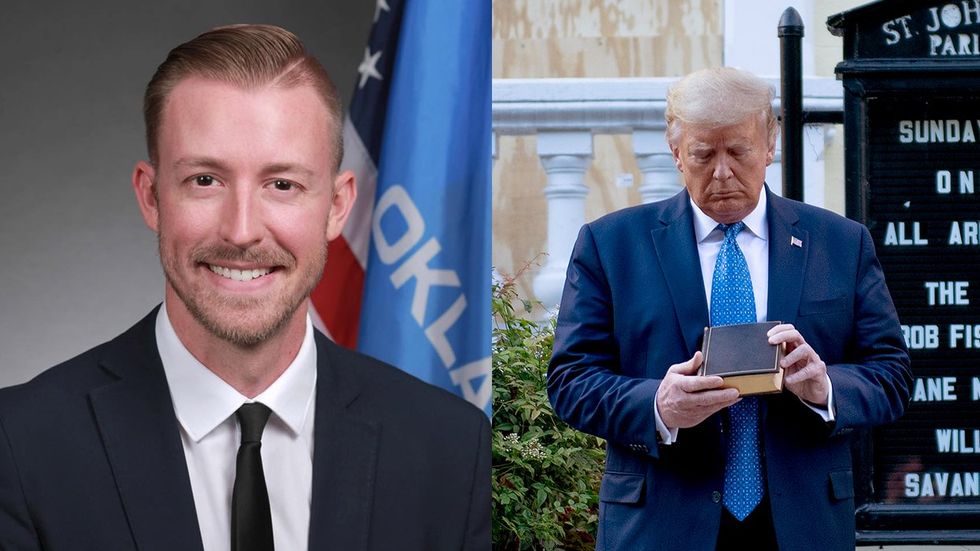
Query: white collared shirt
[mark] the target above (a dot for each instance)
(205, 406)
(754, 243)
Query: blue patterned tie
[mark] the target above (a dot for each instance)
(732, 301)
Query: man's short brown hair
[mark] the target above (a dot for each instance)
(248, 56)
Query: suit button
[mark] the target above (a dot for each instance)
(715, 496)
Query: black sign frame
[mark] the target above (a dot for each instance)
(888, 54)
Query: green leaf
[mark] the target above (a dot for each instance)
(546, 475)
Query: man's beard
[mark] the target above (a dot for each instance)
(258, 319)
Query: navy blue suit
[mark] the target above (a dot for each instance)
(634, 304)
(91, 458)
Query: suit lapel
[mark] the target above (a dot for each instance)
(345, 458)
(678, 254)
(788, 246)
(142, 442)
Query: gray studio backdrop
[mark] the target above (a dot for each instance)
(77, 264)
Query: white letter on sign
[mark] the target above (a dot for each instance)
(397, 197)
(436, 333)
(417, 266)
(464, 376)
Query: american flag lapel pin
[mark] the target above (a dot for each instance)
(795, 242)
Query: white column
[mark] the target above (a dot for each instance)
(661, 180)
(816, 139)
(495, 276)
(774, 172)
(565, 156)
(493, 146)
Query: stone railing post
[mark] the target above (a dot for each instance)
(660, 177)
(774, 172)
(565, 157)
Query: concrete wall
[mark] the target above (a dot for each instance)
(584, 38)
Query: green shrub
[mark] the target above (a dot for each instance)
(545, 474)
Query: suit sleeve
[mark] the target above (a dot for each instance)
(478, 519)
(875, 387)
(585, 382)
(17, 531)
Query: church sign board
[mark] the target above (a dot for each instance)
(911, 76)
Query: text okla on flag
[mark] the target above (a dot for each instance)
(409, 280)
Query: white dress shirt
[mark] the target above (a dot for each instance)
(205, 406)
(754, 243)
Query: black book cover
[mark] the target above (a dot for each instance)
(741, 354)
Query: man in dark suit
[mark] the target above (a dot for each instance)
(691, 465)
(223, 420)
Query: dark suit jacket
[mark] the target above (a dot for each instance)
(91, 458)
(634, 304)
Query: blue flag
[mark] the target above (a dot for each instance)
(426, 305)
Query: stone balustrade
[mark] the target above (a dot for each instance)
(566, 113)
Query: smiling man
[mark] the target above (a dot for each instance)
(223, 420)
(691, 465)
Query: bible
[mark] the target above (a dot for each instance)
(742, 356)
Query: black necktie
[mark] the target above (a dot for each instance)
(251, 520)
